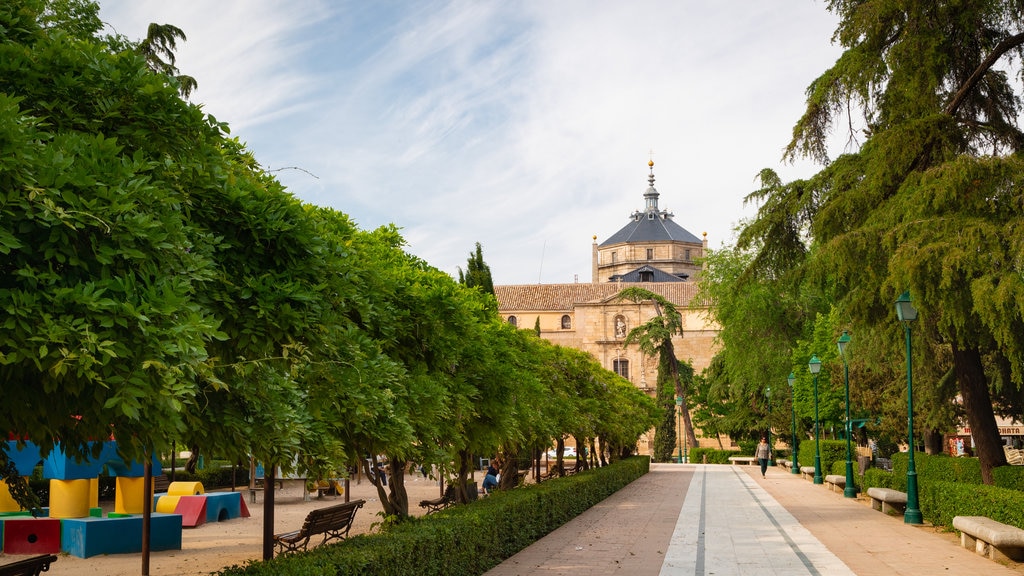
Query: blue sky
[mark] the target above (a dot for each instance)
(526, 126)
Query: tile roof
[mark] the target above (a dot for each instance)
(563, 297)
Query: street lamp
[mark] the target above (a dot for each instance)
(768, 396)
(796, 449)
(679, 425)
(815, 366)
(851, 490)
(906, 312)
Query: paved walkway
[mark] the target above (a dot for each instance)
(685, 519)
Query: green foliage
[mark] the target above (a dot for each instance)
(697, 455)
(942, 500)
(665, 431)
(831, 451)
(478, 273)
(936, 468)
(1010, 477)
(466, 539)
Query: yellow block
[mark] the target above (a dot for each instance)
(69, 498)
(128, 497)
(7, 503)
(94, 493)
(167, 504)
(185, 489)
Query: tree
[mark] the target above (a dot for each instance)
(478, 273)
(929, 201)
(655, 337)
(158, 49)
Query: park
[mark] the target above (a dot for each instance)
(163, 292)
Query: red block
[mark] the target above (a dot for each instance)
(245, 509)
(192, 510)
(31, 535)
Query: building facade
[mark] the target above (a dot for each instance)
(653, 252)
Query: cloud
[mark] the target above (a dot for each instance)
(524, 126)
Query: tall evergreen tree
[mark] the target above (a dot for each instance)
(477, 273)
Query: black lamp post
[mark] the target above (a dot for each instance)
(815, 366)
(795, 469)
(906, 312)
(850, 491)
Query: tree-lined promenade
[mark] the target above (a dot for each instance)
(160, 287)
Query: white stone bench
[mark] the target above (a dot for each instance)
(742, 460)
(835, 482)
(887, 500)
(784, 463)
(994, 540)
(807, 472)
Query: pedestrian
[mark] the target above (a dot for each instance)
(491, 478)
(763, 455)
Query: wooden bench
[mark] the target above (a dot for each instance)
(807, 472)
(835, 482)
(737, 460)
(994, 540)
(447, 499)
(29, 567)
(333, 522)
(887, 500)
(160, 483)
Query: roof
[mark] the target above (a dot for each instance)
(651, 225)
(564, 297)
(655, 275)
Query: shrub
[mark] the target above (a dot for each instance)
(462, 540)
(1010, 477)
(940, 501)
(713, 456)
(831, 451)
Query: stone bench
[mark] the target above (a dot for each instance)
(742, 460)
(835, 482)
(887, 500)
(807, 472)
(994, 540)
(784, 463)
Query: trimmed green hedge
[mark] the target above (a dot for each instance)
(714, 456)
(831, 451)
(940, 501)
(463, 540)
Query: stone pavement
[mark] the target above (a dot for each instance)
(692, 519)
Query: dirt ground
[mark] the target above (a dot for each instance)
(213, 546)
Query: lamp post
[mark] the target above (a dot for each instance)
(815, 366)
(768, 396)
(906, 312)
(795, 468)
(851, 490)
(679, 425)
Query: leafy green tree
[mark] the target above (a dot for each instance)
(929, 203)
(655, 337)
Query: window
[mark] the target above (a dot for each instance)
(686, 255)
(621, 367)
(613, 257)
(566, 322)
(512, 320)
(650, 253)
(646, 276)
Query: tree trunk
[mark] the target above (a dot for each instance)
(933, 441)
(461, 494)
(372, 470)
(398, 496)
(691, 437)
(973, 385)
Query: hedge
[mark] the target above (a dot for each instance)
(940, 501)
(713, 456)
(831, 451)
(463, 540)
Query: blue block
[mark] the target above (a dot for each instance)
(86, 537)
(58, 466)
(26, 459)
(223, 506)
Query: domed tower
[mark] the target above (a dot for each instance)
(650, 248)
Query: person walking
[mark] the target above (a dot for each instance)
(763, 455)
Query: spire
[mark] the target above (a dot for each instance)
(651, 195)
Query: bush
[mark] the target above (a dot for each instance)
(831, 451)
(463, 540)
(940, 501)
(713, 456)
(1010, 477)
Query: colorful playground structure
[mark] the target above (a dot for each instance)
(74, 523)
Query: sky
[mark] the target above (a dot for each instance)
(526, 126)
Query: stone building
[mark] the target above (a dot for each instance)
(652, 251)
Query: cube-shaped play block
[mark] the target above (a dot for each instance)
(86, 537)
(7, 503)
(27, 535)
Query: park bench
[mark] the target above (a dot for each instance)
(161, 483)
(887, 500)
(990, 538)
(333, 522)
(835, 482)
(737, 460)
(447, 499)
(807, 472)
(784, 463)
(28, 567)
